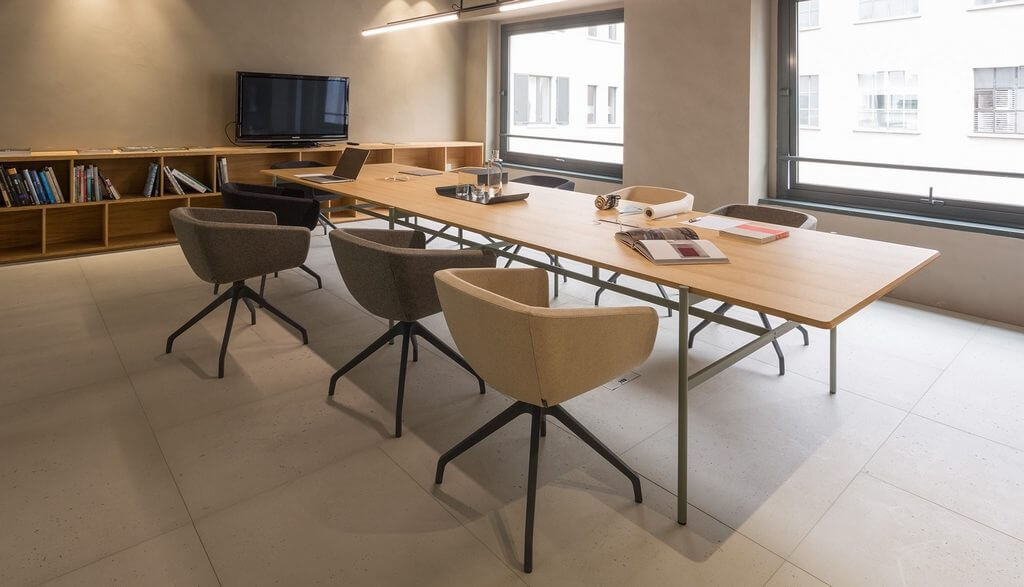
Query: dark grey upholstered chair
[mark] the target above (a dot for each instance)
(230, 246)
(318, 195)
(547, 181)
(782, 217)
(391, 274)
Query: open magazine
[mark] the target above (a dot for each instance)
(671, 246)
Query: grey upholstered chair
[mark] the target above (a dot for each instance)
(769, 215)
(539, 357)
(646, 195)
(230, 246)
(391, 274)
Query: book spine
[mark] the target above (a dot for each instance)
(75, 189)
(223, 165)
(11, 195)
(3, 192)
(55, 185)
(111, 189)
(150, 180)
(27, 178)
(45, 183)
(24, 198)
(191, 181)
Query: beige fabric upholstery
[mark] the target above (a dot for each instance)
(650, 195)
(501, 323)
(224, 246)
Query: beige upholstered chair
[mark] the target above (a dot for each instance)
(230, 246)
(647, 195)
(770, 215)
(539, 356)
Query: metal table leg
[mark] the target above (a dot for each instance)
(684, 388)
(833, 344)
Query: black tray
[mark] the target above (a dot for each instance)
(448, 191)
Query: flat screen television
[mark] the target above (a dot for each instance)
(291, 110)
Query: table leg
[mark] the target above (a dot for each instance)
(392, 214)
(684, 388)
(832, 352)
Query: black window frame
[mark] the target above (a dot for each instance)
(587, 168)
(958, 213)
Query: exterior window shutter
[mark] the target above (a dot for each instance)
(521, 98)
(562, 100)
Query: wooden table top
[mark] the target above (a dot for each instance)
(814, 278)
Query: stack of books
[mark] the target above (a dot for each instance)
(89, 185)
(29, 187)
(180, 182)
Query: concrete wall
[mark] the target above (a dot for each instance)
(162, 72)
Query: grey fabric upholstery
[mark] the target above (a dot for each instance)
(391, 273)
(225, 246)
(768, 214)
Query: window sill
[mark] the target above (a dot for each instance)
(887, 131)
(991, 6)
(810, 28)
(810, 127)
(888, 18)
(902, 217)
(561, 173)
(992, 135)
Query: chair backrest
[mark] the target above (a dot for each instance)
(769, 214)
(501, 323)
(292, 207)
(187, 228)
(547, 181)
(650, 194)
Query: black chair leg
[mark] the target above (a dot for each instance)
(415, 348)
(807, 338)
(704, 324)
(194, 319)
(430, 337)
(401, 379)
(383, 340)
(531, 487)
(248, 292)
(216, 288)
(496, 423)
(543, 426)
(775, 344)
(583, 434)
(235, 295)
(263, 286)
(319, 282)
(252, 310)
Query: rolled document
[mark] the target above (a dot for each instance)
(653, 211)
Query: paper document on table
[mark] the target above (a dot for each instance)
(715, 222)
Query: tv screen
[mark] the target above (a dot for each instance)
(291, 108)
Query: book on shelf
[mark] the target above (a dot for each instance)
(55, 185)
(152, 187)
(222, 171)
(110, 188)
(190, 181)
(754, 233)
(172, 180)
(27, 176)
(671, 246)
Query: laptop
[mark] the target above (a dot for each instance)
(349, 166)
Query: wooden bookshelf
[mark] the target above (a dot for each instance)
(45, 231)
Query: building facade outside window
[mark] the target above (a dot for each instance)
(562, 94)
(875, 9)
(810, 13)
(998, 93)
(888, 101)
(809, 101)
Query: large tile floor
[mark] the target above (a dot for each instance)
(119, 463)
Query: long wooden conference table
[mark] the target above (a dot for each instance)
(812, 278)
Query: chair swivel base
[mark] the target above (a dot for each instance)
(237, 291)
(538, 415)
(263, 280)
(408, 331)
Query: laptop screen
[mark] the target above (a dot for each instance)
(351, 163)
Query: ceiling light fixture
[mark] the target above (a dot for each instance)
(411, 23)
(521, 4)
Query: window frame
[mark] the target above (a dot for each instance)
(582, 167)
(912, 208)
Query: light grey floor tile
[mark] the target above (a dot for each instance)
(38, 327)
(977, 478)
(768, 455)
(877, 534)
(175, 558)
(360, 521)
(982, 392)
(82, 478)
(52, 282)
(31, 373)
(792, 576)
(236, 454)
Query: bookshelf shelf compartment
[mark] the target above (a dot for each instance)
(143, 220)
(74, 229)
(127, 175)
(21, 235)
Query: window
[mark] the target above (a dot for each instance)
(988, 2)
(998, 93)
(613, 105)
(925, 119)
(808, 14)
(888, 101)
(809, 101)
(555, 90)
(875, 9)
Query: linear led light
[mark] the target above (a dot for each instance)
(521, 4)
(411, 23)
